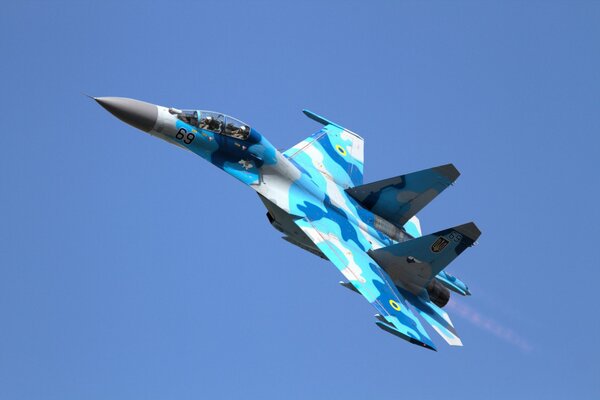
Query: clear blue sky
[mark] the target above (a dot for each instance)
(130, 269)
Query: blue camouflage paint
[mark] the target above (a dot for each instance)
(318, 185)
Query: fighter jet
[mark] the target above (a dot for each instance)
(315, 196)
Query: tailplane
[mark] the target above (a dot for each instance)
(434, 316)
(414, 263)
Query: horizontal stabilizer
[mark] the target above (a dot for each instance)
(434, 315)
(414, 263)
(367, 278)
(399, 199)
(453, 283)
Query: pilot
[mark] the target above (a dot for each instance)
(206, 123)
(194, 119)
(217, 125)
(243, 131)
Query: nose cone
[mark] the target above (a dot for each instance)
(136, 113)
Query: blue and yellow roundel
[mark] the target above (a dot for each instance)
(340, 149)
(395, 305)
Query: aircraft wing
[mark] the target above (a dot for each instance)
(400, 198)
(368, 279)
(333, 153)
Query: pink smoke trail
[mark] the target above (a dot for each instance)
(489, 325)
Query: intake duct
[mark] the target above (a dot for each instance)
(274, 222)
(438, 293)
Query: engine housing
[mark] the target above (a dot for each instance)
(438, 293)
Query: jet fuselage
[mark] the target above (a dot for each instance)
(315, 195)
(253, 160)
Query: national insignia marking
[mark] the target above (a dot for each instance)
(340, 149)
(439, 244)
(395, 305)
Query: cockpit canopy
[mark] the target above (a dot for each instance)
(214, 122)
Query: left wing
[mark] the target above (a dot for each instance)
(333, 153)
(370, 281)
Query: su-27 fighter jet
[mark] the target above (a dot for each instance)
(315, 196)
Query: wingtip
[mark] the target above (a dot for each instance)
(449, 171)
(427, 346)
(469, 230)
(316, 117)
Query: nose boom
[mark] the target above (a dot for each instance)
(136, 113)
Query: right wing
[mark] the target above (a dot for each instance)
(368, 279)
(400, 198)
